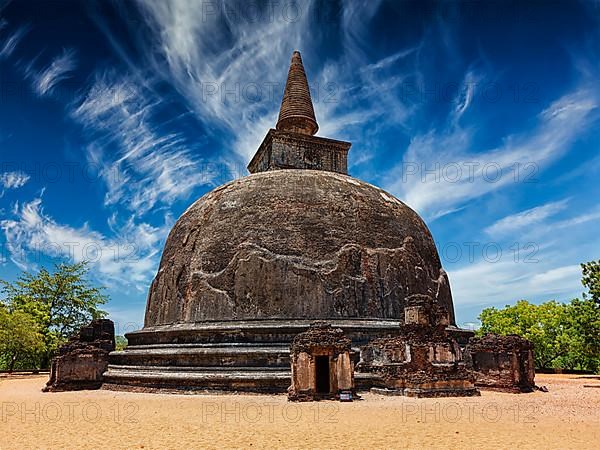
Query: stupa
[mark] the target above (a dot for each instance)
(253, 263)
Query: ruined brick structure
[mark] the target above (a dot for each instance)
(322, 365)
(425, 360)
(83, 359)
(502, 363)
(253, 263)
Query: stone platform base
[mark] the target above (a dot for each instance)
(157, 379)
(243, 356)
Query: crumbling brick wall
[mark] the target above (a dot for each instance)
(503, 363)
(83, 359)
(424, 360)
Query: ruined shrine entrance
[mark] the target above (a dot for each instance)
(322, 365)
(322, 374)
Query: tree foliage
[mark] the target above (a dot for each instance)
(583, 325)
(58, 303)
(120, 343)
(541, 324)
(20, 339)
(591, 279)
(564, 335)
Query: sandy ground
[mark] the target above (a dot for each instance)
(566, 417)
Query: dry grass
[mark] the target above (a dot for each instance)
(566, 417)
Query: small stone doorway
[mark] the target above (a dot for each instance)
(322, 374)
(321, 363)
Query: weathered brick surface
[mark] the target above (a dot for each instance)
(503, 363)
(295, 244)
(83, 359)
(424, 360)
(287, 150)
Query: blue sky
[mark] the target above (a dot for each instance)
(482, 116)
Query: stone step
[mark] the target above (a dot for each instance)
(157, 378)
(218, 356)
(281, 345)
(243, 379)
(205, 349)
(256, 331)
(253, 369)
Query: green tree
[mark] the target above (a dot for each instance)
(59, 303)
(591, 280)
(20, 339)
(583, 329)
(543, 324)
(120, 343)
(565, 335)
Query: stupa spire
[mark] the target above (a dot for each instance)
(293, 144)
(297, 113)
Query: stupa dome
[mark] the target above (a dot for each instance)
(295, 244)
(255, 262)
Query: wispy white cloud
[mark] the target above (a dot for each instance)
(389, 60)
(465, 97)
(459, 173)
(232, 70)
(534, 257)
(507, 281)
(355, 20)
(577, 220)
(236, 89)
(143, 164)
(526, 218)
(365, 100)
(580, 237)
(128, 258)
(10, 44)
(59, 69)
(13, 180)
